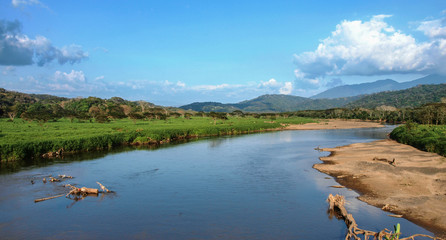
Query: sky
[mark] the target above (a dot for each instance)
(177, 52)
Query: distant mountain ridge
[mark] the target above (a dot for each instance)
(377, 86)
(271, 103)
(369, 95)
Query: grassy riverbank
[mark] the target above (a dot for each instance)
(22, 139)
(430, 138)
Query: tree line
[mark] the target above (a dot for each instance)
(431, 114)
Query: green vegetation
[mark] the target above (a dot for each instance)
(412, 97)
(395, 235)
(40, 124)
(270, 103)
(430, 138)
(432, 113)
(20, 139)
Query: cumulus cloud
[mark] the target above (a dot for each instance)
(270, 83)
(287, 88)
(434, 28)
(73, 81)
(18, 49)
(368, 48)
(274, 86)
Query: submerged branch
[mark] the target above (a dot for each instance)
(336, 208)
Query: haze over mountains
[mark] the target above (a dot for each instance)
(370, 95)
(377, 86)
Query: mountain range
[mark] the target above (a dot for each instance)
(377, 86)
(371, 95)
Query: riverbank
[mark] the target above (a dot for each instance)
(396, 177)
(334, 124)
(24, 140)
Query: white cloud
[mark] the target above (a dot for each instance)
(274, 86)
(74, 77)
(181, 84)
(287, 88)
(434, 28)
(368, 48)
(18, 49)
(271, 83)
(22, 3)
(213, 87)
(99, 78)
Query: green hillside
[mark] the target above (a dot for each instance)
(271, 103)
(412, 97)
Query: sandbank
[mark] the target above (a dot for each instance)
(334, 124)
(413, 186)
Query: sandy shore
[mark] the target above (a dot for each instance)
(334, 124)
(414, 186)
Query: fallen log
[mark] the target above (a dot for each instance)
(77, 193)
(336, 207)
(48, 198)
(385, 160)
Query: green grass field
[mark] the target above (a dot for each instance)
(21, 139)
(430, 138)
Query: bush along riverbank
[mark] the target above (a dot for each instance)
(21, 139)
(430, 138)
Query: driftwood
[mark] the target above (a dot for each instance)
(81, 192)
(75, 192)
(48, 198)
(336, 207)
(65, 176)
(58, 153)
(385, 160)
(104, 189)
(52, 179)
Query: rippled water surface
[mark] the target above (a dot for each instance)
(259, 186)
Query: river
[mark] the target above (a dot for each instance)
(258, 186)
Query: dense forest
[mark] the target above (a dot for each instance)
(424, 137)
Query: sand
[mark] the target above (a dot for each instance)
(334, 124)
(414, 186)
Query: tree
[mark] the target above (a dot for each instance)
(187, 115)
(39, 112)
(12, 112)
(135, 116)
(237, 113)
(218, 115)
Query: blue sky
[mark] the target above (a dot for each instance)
(178, 52)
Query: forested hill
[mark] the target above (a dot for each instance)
(44, 107)
(271, 103)
(412, 97)
(10, 98)
(378, 86)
